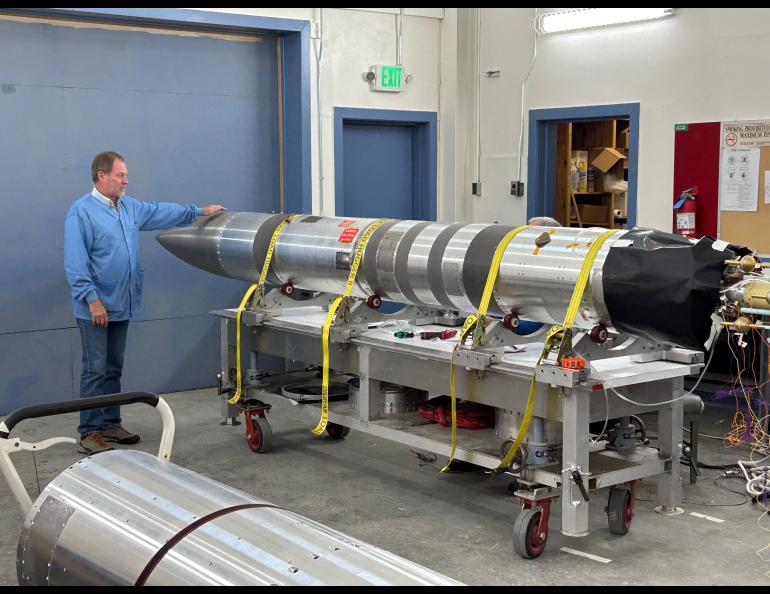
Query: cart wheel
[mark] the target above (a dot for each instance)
(619, 510)
(526, 540)
(259, 435)
(337, 431)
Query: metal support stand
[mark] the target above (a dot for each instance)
(670, 420)
(574, 507)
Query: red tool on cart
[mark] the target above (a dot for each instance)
(442, 334)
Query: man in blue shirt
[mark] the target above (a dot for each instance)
(101, 259)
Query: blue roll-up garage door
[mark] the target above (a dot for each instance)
(196, 117)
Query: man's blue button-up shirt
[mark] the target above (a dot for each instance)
(101, 250)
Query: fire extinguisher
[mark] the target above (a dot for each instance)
(684, 213)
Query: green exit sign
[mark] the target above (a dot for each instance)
(387, 78)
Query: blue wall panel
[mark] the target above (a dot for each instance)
(196, 119)
(36, 367)
(190, 354)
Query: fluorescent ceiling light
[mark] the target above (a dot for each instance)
(586, 18)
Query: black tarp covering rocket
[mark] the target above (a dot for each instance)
(664, 287)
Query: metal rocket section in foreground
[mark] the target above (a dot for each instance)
(643, 282)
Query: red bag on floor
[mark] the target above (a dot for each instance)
(470, 415)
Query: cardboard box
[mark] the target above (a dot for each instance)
(580, 161)
(591, 214)
(604, 158)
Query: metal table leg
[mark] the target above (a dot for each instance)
(670, 419)
(574, 507)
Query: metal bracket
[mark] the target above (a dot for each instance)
(343, 334)
(538, 493)
(559, 376)
(8, 470)
(471, 359)
(358, 312)
(496, 335)
(684, 356)
(620, 345)
(16, 445)
(275, 303)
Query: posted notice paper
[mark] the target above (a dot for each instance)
(739, 179)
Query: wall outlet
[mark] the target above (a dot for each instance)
(517, 188)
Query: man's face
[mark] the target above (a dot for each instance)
(113, 184)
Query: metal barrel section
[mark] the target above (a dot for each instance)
(119, 515)
(414, 262)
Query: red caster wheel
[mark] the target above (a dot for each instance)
(529, 537)
(259, 435)
(287, 289)
(374, 301)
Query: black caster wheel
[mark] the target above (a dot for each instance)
(527, 541)
(259, 435)
(337, 431)
(620, 510)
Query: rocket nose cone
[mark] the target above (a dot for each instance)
(198, 243)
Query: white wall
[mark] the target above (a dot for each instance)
(354, 39)
(704, 64)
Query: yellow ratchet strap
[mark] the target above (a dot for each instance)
(321, 427)
(259, 286)
(475, 322)
(569, 319)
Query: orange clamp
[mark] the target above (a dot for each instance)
(573, 363)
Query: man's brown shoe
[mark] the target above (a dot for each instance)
(120, 435)
(93, 443)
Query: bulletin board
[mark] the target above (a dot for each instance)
(750, 228)
(698, 152)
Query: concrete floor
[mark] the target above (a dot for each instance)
(457, 524)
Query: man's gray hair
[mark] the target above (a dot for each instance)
(544, 222)
(103, 162)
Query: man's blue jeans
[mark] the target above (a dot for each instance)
(103, 350)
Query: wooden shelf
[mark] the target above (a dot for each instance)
(593, 135)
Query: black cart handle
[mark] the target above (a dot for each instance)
(68, 406)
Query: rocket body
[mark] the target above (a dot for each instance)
(644, 282)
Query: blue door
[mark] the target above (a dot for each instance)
(196, 118)
(378, 171)
(385, 163)
(385, 166)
